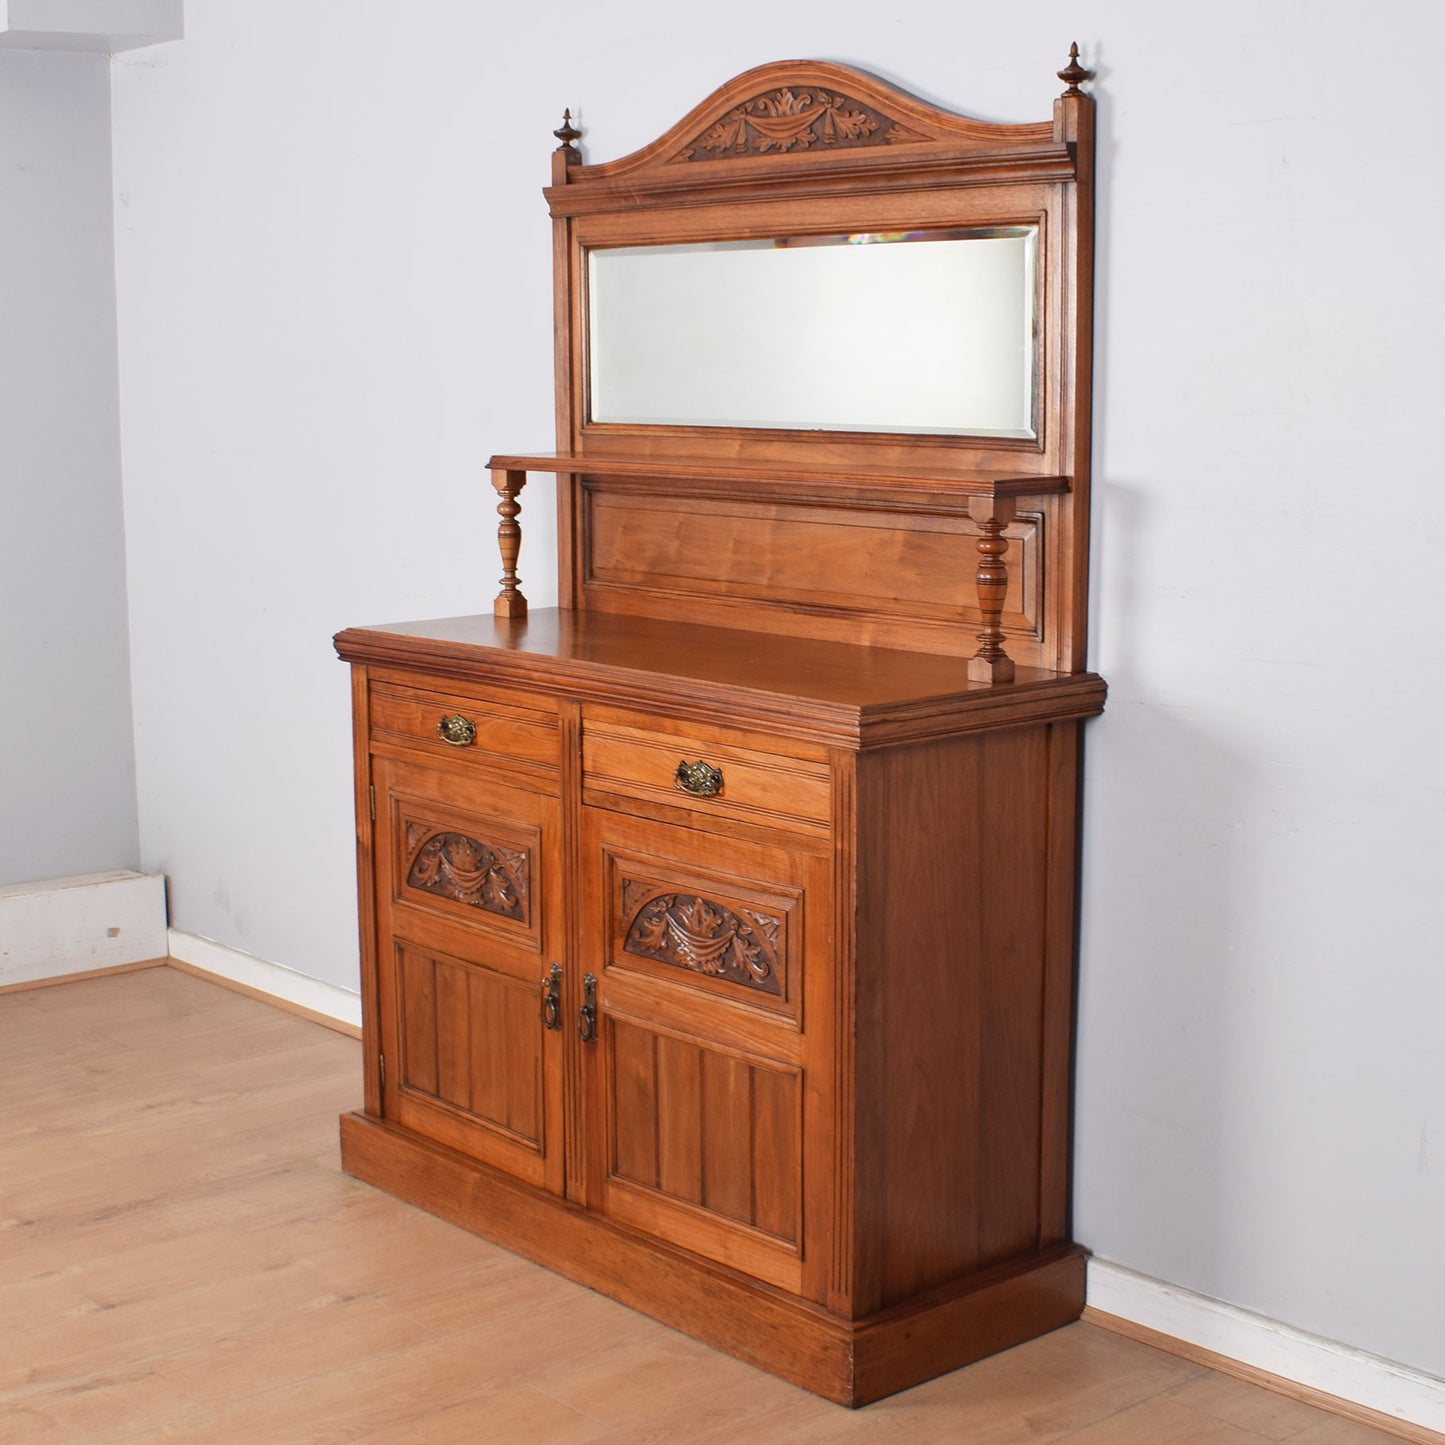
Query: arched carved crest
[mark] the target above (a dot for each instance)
(792, 114)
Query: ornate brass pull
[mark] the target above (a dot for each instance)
(552, 998)
(458, 731)
(587, 1014)
(698, 779)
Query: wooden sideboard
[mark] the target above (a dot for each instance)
(718, 926)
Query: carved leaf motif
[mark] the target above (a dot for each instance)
(765, 924)
(706, 936)
(749, 955)
(786, 103)
(844, 124)
(514, 859)
(696, 917)
(633, 893)
(481, 875)
(788, 119)
(496, 894)
(650, 930)
(729, 134)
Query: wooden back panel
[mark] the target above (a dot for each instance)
(847, 571)
(808, 555)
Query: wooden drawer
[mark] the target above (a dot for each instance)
(490, 728)
(634, 755)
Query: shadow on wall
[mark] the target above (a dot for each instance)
(1165, 879)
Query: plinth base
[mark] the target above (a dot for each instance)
(850, 1361)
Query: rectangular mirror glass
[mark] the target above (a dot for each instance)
(924, 331)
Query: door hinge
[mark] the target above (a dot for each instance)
(381, 1068)
(371, 793)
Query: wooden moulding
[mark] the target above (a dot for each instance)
(850, 1362)
(813, 127)
(821, 692)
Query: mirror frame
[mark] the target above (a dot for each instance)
(809, 147)
(1023, 332)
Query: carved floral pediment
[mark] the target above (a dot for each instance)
(795, 119)
(799, 111)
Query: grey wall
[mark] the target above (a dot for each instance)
(334, 291)
(67, 771)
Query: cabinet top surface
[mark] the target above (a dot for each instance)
(822, 687)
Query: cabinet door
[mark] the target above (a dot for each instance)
(709, 956)
(467, 881)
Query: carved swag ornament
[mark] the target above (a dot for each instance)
(701, 934)
(480, 875)
(784, 120)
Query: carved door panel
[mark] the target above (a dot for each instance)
(704, 1111)
(467, 922)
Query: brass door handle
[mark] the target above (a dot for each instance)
(552, 998)
(457, 731)
(587, 1014)
(699, 779)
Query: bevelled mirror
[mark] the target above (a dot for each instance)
(926, 332)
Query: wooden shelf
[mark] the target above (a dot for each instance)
(943, 476)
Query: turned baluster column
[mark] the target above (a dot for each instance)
(991, 663)
(510, 602)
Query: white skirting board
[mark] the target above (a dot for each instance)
(75, 925)
(311, 994)
(1304, 1359)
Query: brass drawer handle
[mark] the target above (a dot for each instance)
(698, 779)
(456, 730)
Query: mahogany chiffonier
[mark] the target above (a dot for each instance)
(718, 925)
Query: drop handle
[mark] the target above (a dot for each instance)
(587, 1014)
(552, 998)
(457, 731)
(700, 779)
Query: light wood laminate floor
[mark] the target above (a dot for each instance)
(181, 1259)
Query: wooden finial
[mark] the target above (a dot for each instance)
(567, 133)
(1071, 74)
